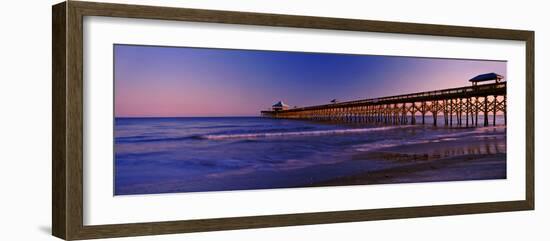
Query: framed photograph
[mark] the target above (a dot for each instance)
(171, 120)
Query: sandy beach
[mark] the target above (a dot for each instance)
(449, 159)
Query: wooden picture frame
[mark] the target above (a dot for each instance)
(67, 124)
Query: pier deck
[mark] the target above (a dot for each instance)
(462, 104)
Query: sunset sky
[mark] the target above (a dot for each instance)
(155, 81)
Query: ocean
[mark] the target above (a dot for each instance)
(195, 154)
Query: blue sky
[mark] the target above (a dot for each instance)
(179, 81)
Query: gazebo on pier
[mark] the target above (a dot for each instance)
(486, 77)
(279, 106)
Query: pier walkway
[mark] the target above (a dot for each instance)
(458, 106)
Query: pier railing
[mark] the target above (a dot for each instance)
(398, 109)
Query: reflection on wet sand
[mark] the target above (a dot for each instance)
(489, 148)
(478, 158)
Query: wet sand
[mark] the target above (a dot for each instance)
(480, 158)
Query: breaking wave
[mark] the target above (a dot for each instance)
(297, 133)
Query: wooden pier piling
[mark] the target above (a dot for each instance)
(465, 103)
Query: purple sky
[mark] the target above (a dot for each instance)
(153, 81)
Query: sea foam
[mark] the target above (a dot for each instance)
(297, 133)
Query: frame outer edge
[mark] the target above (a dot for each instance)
(67, 180)
(530, 120)
(59, 174)
(293, 21)
(74, 120)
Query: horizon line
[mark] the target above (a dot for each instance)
(229, 116)
(152, 117)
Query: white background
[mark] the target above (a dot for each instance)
(25, 94)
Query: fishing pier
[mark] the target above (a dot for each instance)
(457, 107)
